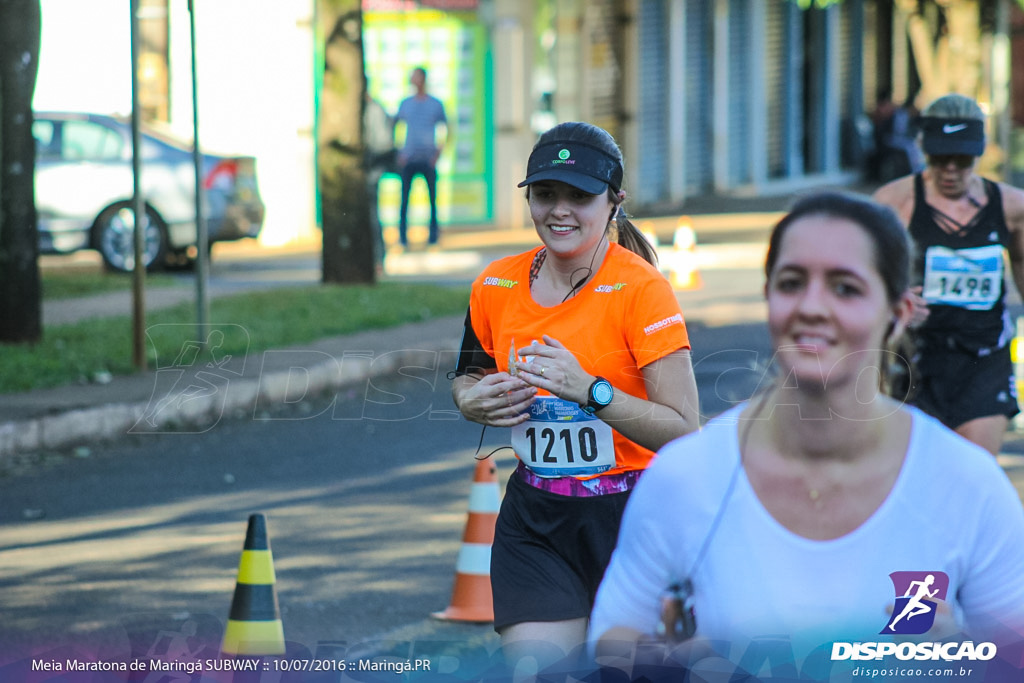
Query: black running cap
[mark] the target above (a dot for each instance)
(575, 163)
(952, 136)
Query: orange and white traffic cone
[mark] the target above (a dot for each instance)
(254, 624)
(684, 274)
(471, 595)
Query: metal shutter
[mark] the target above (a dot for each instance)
(740, 105)
(603, 73)
(775, 87)
(698, 87)
(651, 165)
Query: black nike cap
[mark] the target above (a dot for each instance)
(952, 136)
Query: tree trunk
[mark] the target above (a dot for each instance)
(963, 47)
(20, 289)
(348, 240)
(950, 62)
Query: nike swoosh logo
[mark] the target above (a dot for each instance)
(953, 129)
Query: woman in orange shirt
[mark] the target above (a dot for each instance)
(580, 348)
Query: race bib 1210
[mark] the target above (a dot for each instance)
(560, 440)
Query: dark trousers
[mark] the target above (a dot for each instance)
(410, 170)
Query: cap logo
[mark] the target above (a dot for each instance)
(563, 158)
(580, 164)
(941, 136)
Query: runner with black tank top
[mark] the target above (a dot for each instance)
(968, 329)
(963, 226)
(961, 270)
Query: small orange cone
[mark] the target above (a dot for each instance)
(471, 596)
(254, 625)
(684, 274)
(646, 229)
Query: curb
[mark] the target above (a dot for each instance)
(246, 395)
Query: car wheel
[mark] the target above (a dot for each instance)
(114, 238)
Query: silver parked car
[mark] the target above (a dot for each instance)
(84, 191)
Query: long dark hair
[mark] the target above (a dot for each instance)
(626, 234)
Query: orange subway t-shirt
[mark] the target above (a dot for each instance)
(624, 318)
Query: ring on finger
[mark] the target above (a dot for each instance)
(543, 370)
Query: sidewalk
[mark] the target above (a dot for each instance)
(195, 398)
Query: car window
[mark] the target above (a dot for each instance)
(85, 140)
(47, 144)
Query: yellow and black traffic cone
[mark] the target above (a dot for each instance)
(254, 625)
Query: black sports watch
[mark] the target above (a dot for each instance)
(599, 395)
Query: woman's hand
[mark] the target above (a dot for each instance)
(497, 399)
(921, 311)
(552, 367)
(669, 411)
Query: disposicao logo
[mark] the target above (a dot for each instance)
(914, 612)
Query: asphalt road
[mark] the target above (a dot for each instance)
(365, 495)
(365, 498)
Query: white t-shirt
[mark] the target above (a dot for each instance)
(951, 510)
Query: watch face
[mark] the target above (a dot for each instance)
(602, 393)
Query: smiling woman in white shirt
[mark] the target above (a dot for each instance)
(803, 518)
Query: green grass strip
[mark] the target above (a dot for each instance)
(250, 322)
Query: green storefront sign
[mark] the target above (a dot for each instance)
(453, 47)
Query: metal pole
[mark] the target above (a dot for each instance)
(202, 232)
(138, 209)
(1002, 88)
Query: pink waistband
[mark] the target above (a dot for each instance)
(571, 486)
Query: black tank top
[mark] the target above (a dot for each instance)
(963, 273)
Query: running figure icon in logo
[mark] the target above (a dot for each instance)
(914, 590)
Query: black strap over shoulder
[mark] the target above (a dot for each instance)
(472, 358)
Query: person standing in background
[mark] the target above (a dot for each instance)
(421, 113)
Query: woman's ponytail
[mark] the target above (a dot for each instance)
(629, 236)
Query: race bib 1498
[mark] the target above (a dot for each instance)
(967, 278)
